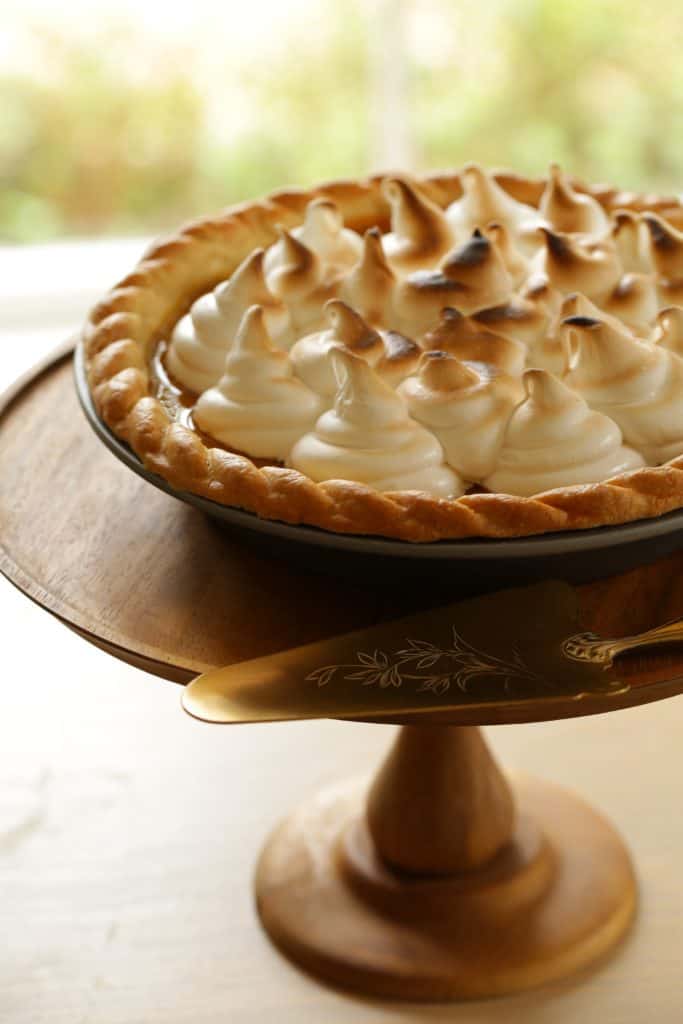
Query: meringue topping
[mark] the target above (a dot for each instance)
(478, 270)
(487, 288)
(630, 237)
(569, 211)
(466, 406)
(201, 339)
(297, 275)
(553, 439)
(324, 233)
(572, 264)
(483, 200)
(466, 339)
(369, 286)
(420, 234)
(665, 246)
(310, 355)
(634, 301)
(258, 405)
(516, 264)
(638, 385)
(368, 437)
(668, 330)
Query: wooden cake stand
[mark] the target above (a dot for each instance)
(441, 881)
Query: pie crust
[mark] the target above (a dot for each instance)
(122, 331)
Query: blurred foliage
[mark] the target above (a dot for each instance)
(123, 137)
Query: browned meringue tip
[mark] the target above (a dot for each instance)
(664, 236)
(622, 218)
(247, 276)
(557, 243)
(443, 371)
(325, 206)
(373, 253)
(586, 323)
(349, 326)
(544, 389)
(472, 253)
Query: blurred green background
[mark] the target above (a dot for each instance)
(123, 118)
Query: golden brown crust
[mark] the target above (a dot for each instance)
(124, 326)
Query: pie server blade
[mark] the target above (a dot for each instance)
(511, 647)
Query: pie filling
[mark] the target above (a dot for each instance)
(491, 345)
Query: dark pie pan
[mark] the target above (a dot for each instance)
(469, 566)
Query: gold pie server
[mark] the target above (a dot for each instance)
(511, 647)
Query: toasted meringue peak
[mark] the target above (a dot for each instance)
(483, 200)
(516, 264)
(368, 437)
(442, 371)
(668, 330)
(665, 246)
(521, 320)
(310, 356)
(554, 439)
(420, 234)
(467, 410)
(569, 211)
(298, 277)
(634, 301)
(258, 406)
(466, 339)
(292, 270)
(323, 231)
(631, 238)
(478, 269)
(573, 265)
(369, 286)
(401, 356)
(201, 339)
(637, 385)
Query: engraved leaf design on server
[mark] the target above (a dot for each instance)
(434, 669)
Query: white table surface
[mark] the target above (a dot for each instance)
(128, 833)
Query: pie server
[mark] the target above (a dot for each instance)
(513, 646)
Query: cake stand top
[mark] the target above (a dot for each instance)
(156, 583)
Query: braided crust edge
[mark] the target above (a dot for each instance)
(123, 328)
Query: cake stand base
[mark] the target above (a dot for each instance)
(555, 897)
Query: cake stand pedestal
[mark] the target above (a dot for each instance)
(440, 881)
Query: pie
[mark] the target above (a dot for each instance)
(464, 354)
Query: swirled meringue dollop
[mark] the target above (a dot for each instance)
(258, 406)
(569, 211)
(637, 385)
(553, 439)
(310, 356)
(201, 339)
(471, 278)
(369, 286)
(466, 406)
(420, 234)
(298, 276)
(465, 338)
(483, 200)
(572, 264)
(368, 437)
